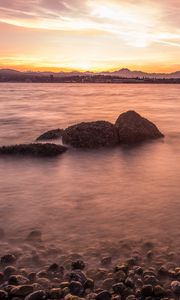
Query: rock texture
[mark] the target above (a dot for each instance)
(133, 128)
(33, 149)
(51, 135)
(91, 135)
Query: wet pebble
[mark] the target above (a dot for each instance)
(3, 295)
(175, 286)
(147, 290)
(22, 291)
(55, 293)
(104, 295)
(106, 260)
(37, 295)
(76, 288)
(8, 259)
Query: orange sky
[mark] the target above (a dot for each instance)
(90, 35)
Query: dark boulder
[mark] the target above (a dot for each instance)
(33, 149)
(91, 135)
(51, 135)
(133, 128)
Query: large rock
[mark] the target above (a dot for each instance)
(51, 135)
(33, 149)
(133, 128)
(91, 135)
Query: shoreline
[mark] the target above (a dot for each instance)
(35, 268)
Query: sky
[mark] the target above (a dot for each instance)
(92, 35)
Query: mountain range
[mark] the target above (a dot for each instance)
(125, 73)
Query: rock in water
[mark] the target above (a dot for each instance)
(51, 134)
(33, 149)
(133, 128)
(91, 135)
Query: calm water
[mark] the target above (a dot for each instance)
(89, 196)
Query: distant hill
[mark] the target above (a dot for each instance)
(133, 74)
(124, 73)
(9, 72)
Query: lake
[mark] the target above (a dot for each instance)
(97, 196)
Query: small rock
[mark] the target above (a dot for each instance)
(64, 284)
(32, 277)
(78, 265)
(107, 283)
(55, 293)
(37, 295)
(37, 150)
(34, 235)
(22, 291)
(138, 270)
(10, 270)
(159, 291)
(150, 280)
(147, 290)
(118, 287)
(175, 286)
(89, 284)
(106, 260)
(3, 295)
(53, 268)
(76, 288)
(129, 282)
(50, 135)
(8, 259)
(18, 280)
(104, 295)
(44, 282)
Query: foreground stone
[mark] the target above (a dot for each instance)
(51, 135)
(33, 149)
(91, 135)
(133, 128)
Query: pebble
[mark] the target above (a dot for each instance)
(55, 293)
(34, 235)
(118, 287)
(3, 295)
(76, 288)
(18, 280)
(78, 265)
(159, 291)
(104, 295)
(147, 290)
(106, 260)
(22, 291)
(175, 286)
(8, 259)
(37, 295)
(107, 283)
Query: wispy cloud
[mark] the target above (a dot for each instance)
(119, 25)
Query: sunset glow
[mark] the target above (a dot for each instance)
(90, 35)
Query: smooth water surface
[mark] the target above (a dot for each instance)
(87, 196)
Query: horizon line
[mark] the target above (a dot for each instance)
(69, 70)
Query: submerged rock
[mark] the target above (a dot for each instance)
(34, 235)
(133, 128)
(8, 259)
(91, 135)
(33, 149)
(51, 135)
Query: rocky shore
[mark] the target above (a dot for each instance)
(127, 270)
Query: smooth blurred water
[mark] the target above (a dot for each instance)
(85, 196)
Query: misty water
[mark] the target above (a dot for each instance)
(86, 198)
